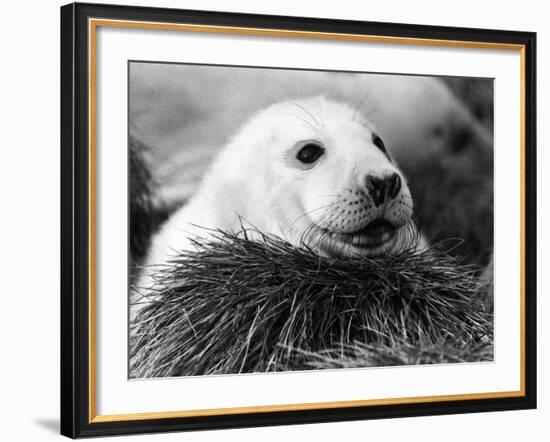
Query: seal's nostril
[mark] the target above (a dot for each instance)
(394, 185)
(376, 188)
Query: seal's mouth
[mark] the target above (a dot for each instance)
(375, 239)
(374, 234)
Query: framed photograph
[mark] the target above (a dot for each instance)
(275, 220)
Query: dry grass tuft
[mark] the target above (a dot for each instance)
(237, 306)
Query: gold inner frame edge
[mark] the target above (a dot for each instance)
(93, 24)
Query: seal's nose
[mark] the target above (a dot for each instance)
(378, 187)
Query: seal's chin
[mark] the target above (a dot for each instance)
(375, 239)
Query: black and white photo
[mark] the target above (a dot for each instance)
(287, 219)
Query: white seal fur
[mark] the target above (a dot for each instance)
(351, 200)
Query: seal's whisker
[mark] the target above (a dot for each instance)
(322, 233)
(305, 236)
(410, 236)
(313, 228)
(301, 119)
(417, 209)
(314, 210)
(371, 112)
(417, 219)
(307, 112)
(367, 95)
(336, 195)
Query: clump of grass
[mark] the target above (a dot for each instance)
(400, 352)
(235, 305)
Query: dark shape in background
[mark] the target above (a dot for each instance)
(146, 211)
(455, 189)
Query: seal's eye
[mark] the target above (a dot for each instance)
(310, 153)
(379, 143)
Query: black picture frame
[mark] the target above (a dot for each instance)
(75, 220)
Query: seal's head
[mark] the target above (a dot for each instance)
(317, 173)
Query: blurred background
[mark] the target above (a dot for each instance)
(439, 130)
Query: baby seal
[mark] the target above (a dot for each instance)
(312, 171)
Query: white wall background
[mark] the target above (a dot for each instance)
(29, 220)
